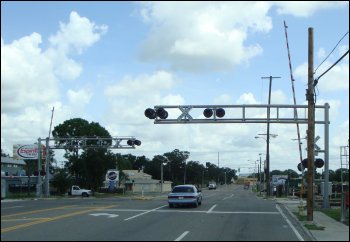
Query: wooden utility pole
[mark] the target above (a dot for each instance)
(268, 187)
(310, 128)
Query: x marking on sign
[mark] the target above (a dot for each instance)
(185, 114)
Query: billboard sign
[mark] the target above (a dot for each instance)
(28, 152)
(279, 179)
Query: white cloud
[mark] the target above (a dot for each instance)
(203, 36)
(278, 97)
(223, 99)
(31, 78)
(246, 98)
(26, 75)
(306, 8)
(207, 36)
(79, 98)
(79, 33)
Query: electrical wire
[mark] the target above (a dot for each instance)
(331, 52)
(316, 80)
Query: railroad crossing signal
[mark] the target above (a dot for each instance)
(317, 148)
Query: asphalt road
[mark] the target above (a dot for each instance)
(227, 213)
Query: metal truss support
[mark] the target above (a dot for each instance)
(76, 143)
(280, 114)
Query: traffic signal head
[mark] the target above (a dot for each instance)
(220, 112)
(319, 163)
(162, 113)
(208, 112)
(133, 142)
(300, 167)
(150, 113)
(137, 142)
(304, 162)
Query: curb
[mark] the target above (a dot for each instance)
(307, 231)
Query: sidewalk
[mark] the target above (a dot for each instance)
(333, 231)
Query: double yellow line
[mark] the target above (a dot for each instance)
(44, 220)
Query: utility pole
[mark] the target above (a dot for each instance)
(161, 177)
(311, 127)
(218, 165)
(268, 189)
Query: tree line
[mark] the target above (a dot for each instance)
(87, 167)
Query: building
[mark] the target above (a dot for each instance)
(11, 167)
(138, 181)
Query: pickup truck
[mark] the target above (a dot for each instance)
(77, 191)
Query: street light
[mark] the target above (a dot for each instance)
(161, 174)
(267, 159)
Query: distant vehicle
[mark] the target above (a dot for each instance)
(185, 195)
(246, 185)
(212, 185)
(77, 191)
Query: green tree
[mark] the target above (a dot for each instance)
(291, 173)
(62, 181)
(176, 165)
(87, 168)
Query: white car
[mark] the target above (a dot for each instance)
(185, 195)
(212, 185)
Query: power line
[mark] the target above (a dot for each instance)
(331, 51)
(316, 80)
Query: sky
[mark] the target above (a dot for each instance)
(107, 62)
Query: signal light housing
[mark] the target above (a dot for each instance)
(299, 167)
(208, 112)
(162, 113)
(319, 163)
(150, 113)
(304, 162)
(220, 112)
(134, 142)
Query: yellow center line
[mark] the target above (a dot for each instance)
(36, 211)
(52, 219)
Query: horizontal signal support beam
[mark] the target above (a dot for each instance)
(250, 113)
(91, 142)
(223, 120)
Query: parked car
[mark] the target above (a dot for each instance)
(185, 195)
(212, 185)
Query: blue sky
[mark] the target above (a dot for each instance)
(107, 62)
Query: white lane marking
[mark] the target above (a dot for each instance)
(227, 197)
(182, 236)
(290, 224)
(215, 212)
(110, 215)
(211, 209)
(13, 207)
(145, 212)
(188, 211)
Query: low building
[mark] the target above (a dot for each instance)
(11, 167)
(138, 181)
